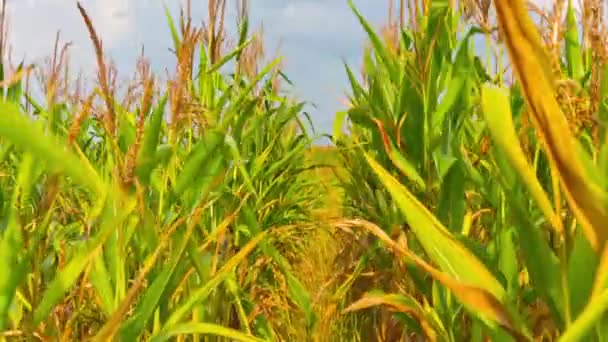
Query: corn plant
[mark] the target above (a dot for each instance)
(505, 224)
(173, 212)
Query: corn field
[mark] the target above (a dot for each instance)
(464, 196)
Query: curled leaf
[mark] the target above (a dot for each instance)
(474, 297)
(497, 113)
(397, 303)
(398, 159)
(441, 246)
(531, 64)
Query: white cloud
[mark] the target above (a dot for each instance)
(33, 25)
(115, 19)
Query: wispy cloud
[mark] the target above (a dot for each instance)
(35, 23)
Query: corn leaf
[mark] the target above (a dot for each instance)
(28, 134)
(574, 54)
(462, 272)
(204, 291)
(113, 217)
(497, 113)
(474, 297)
(587, 200)
(397, 303)
(586, 321)
(205, 329)
(582, 269)
(12, 244)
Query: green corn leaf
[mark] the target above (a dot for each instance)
(100, 279)
(574, 55)
(379, 47)
(147, 153)
(240, 161)
(452, 203)
(243, 32)
(301, 297)
(361, 116)
(12, 243)
(354, 84)
(582, 266)
(174, 34)
(452, 95)
(203, 292)
(113, 217)
(204, 329)
(398, 159)
(455, 86)
(133, 327)
(233, 287)
(22, 132)
(228, 57)
(14, 92)
(497, 113)
(589, 317)
(507, 259)
(236, 104)
(541, 262)
(603, 109)
(475, 297)
(200, 154)
(339, 125)
(443, 249)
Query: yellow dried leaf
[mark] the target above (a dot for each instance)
(473, 296)
(395, 303)
(586, 199)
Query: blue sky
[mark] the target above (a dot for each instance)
(313, 36)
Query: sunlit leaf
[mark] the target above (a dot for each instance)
(497, 112)
(587, 200)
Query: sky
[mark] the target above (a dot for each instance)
(314, 36)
